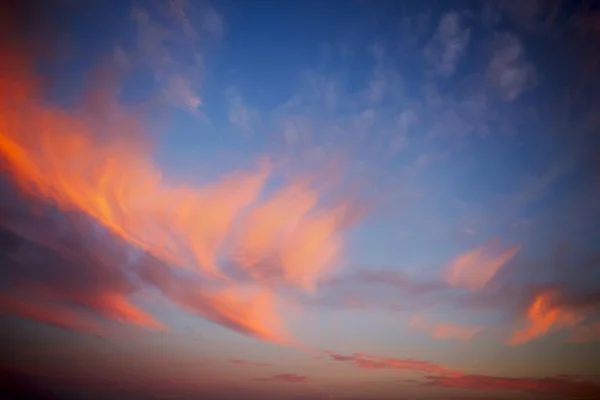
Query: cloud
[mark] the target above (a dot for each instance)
(366, 361)
(585, 333)
(475, 268)
(543, 315)
(249, 363)
(509, 71)
(566, 386)
(240, 115)
(250, 312)
(109, 201)
(51, 274)
(287, 378)
(448, 44)
(179, 92)
(399, 280)
(172, 47)
(445, 330)
(59, 317)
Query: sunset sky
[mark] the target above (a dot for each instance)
(345, 199)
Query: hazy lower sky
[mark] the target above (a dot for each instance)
(343, 199)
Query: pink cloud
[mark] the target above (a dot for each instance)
(59, 317)
(475, 268)
(56, 157)
(543, 315)
(366, 361)
(445, 330)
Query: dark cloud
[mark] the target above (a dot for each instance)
(560, 385)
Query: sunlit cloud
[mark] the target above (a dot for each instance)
(114, 225)
(366, 361)
(59, 317)
(444, 330)
(57, 156)
(475, 268)
(543, 315)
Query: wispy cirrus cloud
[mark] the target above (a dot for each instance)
(366, 361)
(107, 194)
(475, 268)
(240, 114)
(59, 317)
(171, 40)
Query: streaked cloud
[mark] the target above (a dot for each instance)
(475, 268)
(178, 74)
(366, 361)
(286, 378)
(56, 158)
(563, 386)
(59, 317)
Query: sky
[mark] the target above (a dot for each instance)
(358, 199)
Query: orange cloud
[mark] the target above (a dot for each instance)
(116, 306)
(96, 166)
(45, 308)
(445, 330)
(287, 378)
(248, 310)
(475, 268)
(559, 385)
(543, 315)
(366, 361)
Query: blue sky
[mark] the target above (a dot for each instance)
(310, 199)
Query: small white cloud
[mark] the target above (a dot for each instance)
(403, 123)
(325, 90)
(448, 44)
(179, 92)
(509, 71)
(178, 80)
(376, 90)
(240, 115)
